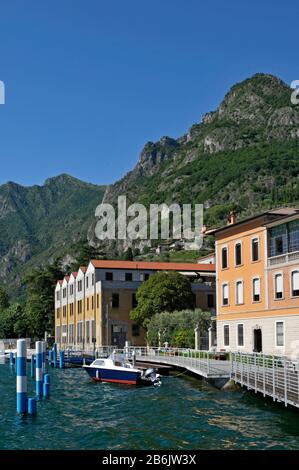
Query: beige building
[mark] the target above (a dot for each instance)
(92, 306)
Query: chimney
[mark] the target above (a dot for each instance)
(231, 218)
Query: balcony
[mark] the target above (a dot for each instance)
(287, 258)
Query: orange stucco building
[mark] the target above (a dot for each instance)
(257, 283)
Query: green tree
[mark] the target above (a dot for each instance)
(163, 291)
(128, 254)
(13, 322)
(4, 301)
(177, 328)
(40, 299)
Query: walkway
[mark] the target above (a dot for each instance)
(202, 363)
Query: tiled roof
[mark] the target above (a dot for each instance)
(116, 264)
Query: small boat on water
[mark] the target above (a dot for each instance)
(118, 371)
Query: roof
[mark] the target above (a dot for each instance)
(210, 255)
(75, 274)
(268, 216)
(83, 269)
(116, 264)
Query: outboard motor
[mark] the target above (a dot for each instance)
(150, 376)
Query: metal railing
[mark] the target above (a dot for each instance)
(273, 376)
(205, 363)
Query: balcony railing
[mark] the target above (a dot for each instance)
(283, 259)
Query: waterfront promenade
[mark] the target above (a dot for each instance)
(202, 363)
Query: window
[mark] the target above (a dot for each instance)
(146, 276)
(211, 303)
(129, 277)
(240, 332)
(71, 309)
(226, 335)
(64, 333)
(79, 306)
(92, 302)
(80, 286)
(256, 289)
(224, 258)
(93, 331)
(293, 231)
(295, 283)
(79, 332)
(255, 249)
(57, 296)
(58, 312)
(238, 254)
(71, 333)
(64, 311)
(87, 331)
(279, 333)
(64, 293)
(87, 304)
(92, 279)
(57, 339)
(115, 300)
(239, 292)
(278, 286)
(86, 282)
(135, 329)
(279, 246)
(134, 300)
(278, 240)
(225, 294)
(98, 301)
(109, 276)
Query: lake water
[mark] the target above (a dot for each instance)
(184, 413)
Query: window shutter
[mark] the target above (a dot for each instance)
(256, 287)
(279, 284)
(239, 292)
(225, 291)
(295, 280)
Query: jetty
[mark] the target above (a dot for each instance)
(205, 364)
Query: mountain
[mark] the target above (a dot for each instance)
(242, 156)
(38, 223)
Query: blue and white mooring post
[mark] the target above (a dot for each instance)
(50, 357)
(61, 362)
(55, 354)
(39, 368)
(46, 386)
(32, 366)
(32, 406)
(21, 376)
(11, 359)
(44, 357)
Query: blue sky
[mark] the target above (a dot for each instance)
(88, 83)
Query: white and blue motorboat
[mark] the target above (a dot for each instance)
(123, 372)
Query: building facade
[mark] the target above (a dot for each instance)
(257, 284)
(93, 305)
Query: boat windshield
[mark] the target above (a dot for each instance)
(99, 362)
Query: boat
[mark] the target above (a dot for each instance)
(121, 371)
